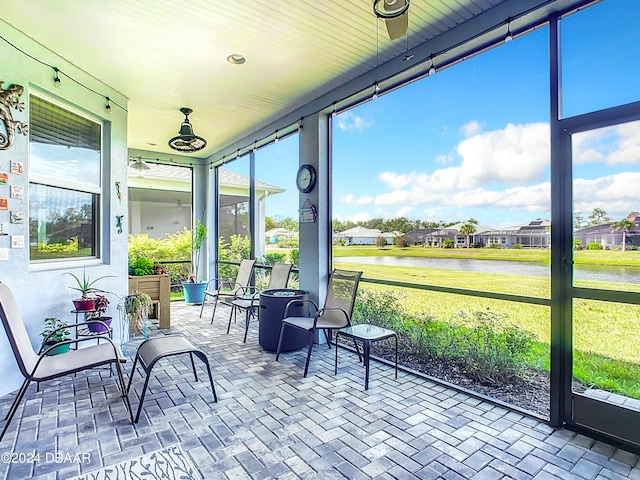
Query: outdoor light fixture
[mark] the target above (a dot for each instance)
(432, 68)
(187, 141)
(508, 37)
(139, 166)
(56, 80)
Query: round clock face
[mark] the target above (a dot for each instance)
(306, 178)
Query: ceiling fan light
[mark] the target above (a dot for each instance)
(187, 140)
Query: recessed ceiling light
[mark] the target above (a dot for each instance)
(236, 59)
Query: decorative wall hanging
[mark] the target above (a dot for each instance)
(17, 216)
(4, 178)
(17, 191)
(10, 98)
(17, 168)
(118, 191)
(119, 223)
(4, 203)
(308, 213)
(3, 230)
(17, 241)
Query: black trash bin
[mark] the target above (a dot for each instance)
(272, 305)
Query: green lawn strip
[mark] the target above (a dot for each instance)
(584, 257)
(605, 331)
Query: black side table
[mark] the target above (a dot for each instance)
(366, 334)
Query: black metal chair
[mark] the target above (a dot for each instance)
(334, 315)
(39, 367)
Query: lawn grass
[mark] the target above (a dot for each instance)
(606, 337)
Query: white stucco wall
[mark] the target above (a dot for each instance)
(41, 291)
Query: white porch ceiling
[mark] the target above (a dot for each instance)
(164, 55)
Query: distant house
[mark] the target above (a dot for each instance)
(362, 236)
(533, 234)
(437, 237)
(606, 236)
(160, 202)
(276, 234)
(418, 236)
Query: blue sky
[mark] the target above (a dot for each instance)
(473, 140)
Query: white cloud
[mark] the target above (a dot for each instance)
(470, 129)
(348, 122)
(619, 144)
(508, 169)
(350, 199)
(515, 155)
(358, 217)
(403, 212)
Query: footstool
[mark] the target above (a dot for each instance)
(154, 349)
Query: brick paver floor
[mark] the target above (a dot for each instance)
(271, 422)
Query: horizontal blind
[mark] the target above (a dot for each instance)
(54, 125)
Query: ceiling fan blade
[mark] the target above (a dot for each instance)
(397, 27)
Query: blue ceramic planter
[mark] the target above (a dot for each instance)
(194, 292)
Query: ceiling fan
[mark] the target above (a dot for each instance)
(395, 14)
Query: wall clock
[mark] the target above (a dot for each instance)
(306, 178)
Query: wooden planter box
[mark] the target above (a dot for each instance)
(158, 287)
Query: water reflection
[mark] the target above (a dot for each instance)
(600, 273)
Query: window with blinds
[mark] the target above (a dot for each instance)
(65, 147)
(64, 182)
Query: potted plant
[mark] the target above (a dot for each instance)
(54, 332)
(194, 288)
(137, 306)
(86, 287)
(100, 305)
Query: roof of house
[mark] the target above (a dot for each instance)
(177, 173)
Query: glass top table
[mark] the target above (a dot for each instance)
(367, 334)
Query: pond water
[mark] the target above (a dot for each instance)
(600, 273)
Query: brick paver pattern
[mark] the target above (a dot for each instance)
(271, 423)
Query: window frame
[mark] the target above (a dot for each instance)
(74, 186)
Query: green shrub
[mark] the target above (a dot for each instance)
(70, 246)
(577, 244)
(295, 257)
(288, 243)
(594, 246)
(273, 258)
(495, 245)
(517, 246)
(141, 266)
(485, 345)
(401, 241)
(492, 350)
(238, 249)
(448, 243)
